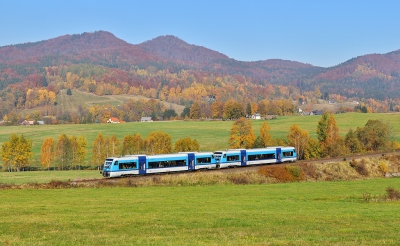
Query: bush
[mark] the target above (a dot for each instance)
(383, 167)
(308, 170)
(360, 167)
(392, 193)
(281, 173)
(240, 179)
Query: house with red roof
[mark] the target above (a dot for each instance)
(113, 120)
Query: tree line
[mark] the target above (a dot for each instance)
(374, 136)
(70, 152)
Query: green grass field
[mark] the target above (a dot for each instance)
(212, 135)
(307, 213)
(18, 178)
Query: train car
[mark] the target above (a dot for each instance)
(262, 156)
(270, 155)
(170, 163)
(230, 158)
(288, 154)
(124, 166)
(204, 160)
(142, 164)
(188, 161)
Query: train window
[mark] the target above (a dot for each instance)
(203, 160)
(128, 165)
(161, 164)
(288, 153)
(233, 158)
(116, 163)
(261, 157)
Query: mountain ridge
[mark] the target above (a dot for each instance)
(369, 72)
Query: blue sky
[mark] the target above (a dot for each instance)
(320, 32)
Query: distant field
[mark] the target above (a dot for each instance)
(212, 135)
(79, 98)
(309, 213)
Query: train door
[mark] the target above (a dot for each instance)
(278, 155)
(243, 157)
(142, 164)
(191, 161)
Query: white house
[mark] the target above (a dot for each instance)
(256, 116)
(146, 119)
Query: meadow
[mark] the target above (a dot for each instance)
(212, 135)
(305, 213)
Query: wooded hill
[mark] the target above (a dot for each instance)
(169, 69)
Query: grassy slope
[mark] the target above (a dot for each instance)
(212, 135)
(324, 213)
(72, 102)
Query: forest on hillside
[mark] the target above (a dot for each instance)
(167, 69)
(210, 94)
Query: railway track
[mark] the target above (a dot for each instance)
(109, 181)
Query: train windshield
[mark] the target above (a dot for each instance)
(108, 163)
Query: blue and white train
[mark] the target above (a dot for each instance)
(131, 165)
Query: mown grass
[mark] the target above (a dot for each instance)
(308, 213)
(211, 135)
(18, 178)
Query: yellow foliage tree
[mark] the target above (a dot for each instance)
(265, 135)
(299, 139)
(242, 134)
(16, 152)
(186, 144)
(158, 142)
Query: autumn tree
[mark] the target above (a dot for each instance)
(99, 150)
(132, 144)
(17, 152)
(298, 138)
(233, 110)
(195, 111)
(352, 143)
(47, 152)
(114, 146)
(186, 144)
(313, 149)
(265, 135)
(241, 134)
(333, 144)
(81, 151)
(63, 152)
(374, 135)
(217, 110)
(158, 142)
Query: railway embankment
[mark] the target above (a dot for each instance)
(367, 167)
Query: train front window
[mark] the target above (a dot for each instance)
(288, 153)
(107, 164)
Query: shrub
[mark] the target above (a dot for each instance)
(56, 184)
(383, 167)
(360, 167)
(295, 171)
(392, 193)
(308, 170)
(240, 179)
(281, 173)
